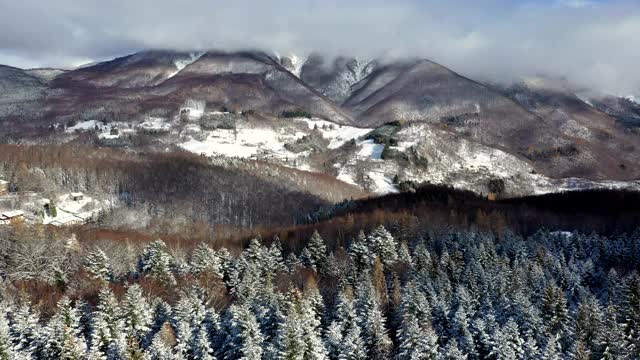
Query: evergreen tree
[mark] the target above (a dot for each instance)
(360, 253)
(24, 331)
(372, 322)
(137, 317)
(107, 329)
(205, 260)
(156, 262)
(344, 338)
(416, 342)
(314, 254)
(382, 243)
(65, 339)
(508, 343)
(243, 337)
(297, 336)
(99, 266)
(6, 346)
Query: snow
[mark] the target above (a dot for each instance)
(297, 64)
(85, 125)
(381, 183)
(182, 63)
(371, 150)
(195, 108)
(584, 99)
(155, 123)
(245, 142)
(336, 134)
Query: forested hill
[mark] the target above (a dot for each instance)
(382, 295)
(601, 210)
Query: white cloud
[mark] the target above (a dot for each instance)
(593, 43)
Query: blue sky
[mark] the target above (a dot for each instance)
(593, 43)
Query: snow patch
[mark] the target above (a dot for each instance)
(182, 63)
(371, 150)
(336, 134)
(194, 108)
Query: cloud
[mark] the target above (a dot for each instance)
(592, 43)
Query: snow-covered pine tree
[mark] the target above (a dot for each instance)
(64, 333)
(156, 262)
(553, 350)
(453, 352)
(314, 254)
(507, 342)
(137, 315)
(162, 344)
(25, 331)
(205, 260)
(372, 322)
(382, 244)
(275, 260)
(344, 338)
(243, 339)
(298, 332)
(193, 318)
(360, 253)
(416, 342)
(292, 262)
(6, 344)
(107, 329)
(98, 265)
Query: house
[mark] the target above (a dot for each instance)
(66, 221)
(11, 216)
(4, 187)
(76, 196)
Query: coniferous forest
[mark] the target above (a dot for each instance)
(450, 294)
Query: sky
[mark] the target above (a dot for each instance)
(591, 43)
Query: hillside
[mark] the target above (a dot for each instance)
(535, 136)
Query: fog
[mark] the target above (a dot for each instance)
(595, 44)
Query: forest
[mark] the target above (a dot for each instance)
(239, 264)
(451, 294)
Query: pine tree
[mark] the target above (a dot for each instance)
(416, 342)
(205, 260)
(360, 253)
(24, 330)
(162, 344)
(372, 322)
(508, 343)
(314, 254)
(344, 338)
(243, 337)
(382, 243)
(137, 317)
(552, 350)
(157, 263)
(274, 258)
(297, 335)
(64, 333)
(99, 266)
(196, 325)
(453, 352)
(6, 345)
(107, 329)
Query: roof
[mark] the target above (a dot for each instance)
(12, 214)
(3, 182)
(77, 194)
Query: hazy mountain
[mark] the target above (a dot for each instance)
(541, 124)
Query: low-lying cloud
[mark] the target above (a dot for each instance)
(591, 43)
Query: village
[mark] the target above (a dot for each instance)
(73, 208)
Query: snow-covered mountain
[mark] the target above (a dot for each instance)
(411, 120)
